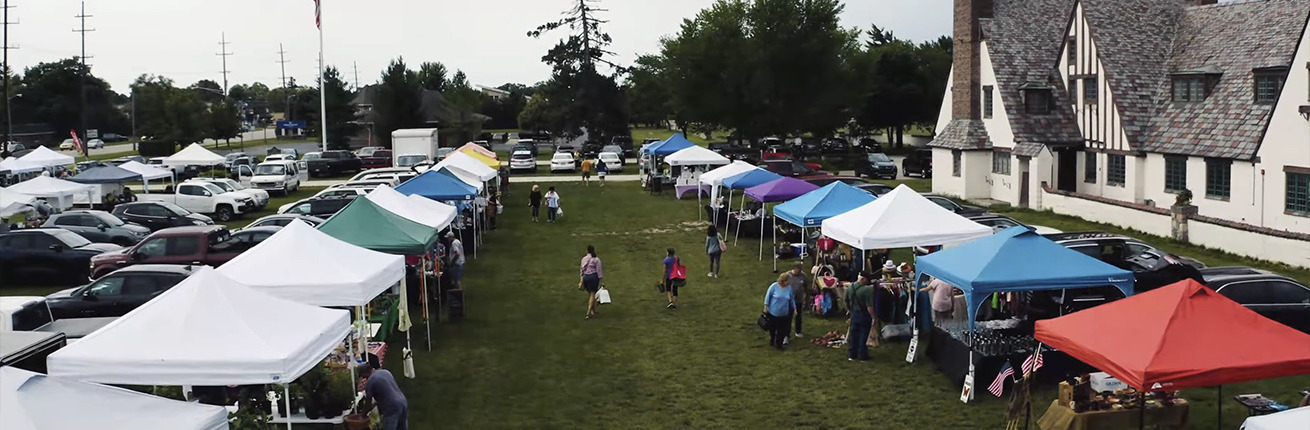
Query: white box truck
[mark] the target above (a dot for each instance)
(412, 142)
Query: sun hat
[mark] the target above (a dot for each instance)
(889, 265)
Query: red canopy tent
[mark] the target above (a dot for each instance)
(1180, 336)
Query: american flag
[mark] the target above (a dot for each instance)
(1033, 362)
(998, 385)
(318, 17)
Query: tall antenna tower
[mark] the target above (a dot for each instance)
(222, 52)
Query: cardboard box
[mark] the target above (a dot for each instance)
(1066, 394)
(1102, 382)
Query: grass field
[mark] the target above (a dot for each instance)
(525, 358)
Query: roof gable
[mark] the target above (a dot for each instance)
(1023, 40)
(1133, 40)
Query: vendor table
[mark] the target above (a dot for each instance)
(952, 357)
(1062, 417)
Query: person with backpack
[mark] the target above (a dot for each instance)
(859, 302)
(675, 275)
(714, 246)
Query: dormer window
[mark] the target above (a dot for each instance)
(1194, 85)
(1268, 83)
(1091, 90)
(1037, 100)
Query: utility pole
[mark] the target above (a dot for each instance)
(355, 65)
(286, 92)
(81, 88)
(4, 146)
(222, 52)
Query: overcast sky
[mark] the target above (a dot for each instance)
(179, 39)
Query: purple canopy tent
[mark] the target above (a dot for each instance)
(742, 181)
(778, 190)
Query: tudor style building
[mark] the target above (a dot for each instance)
(1132, 101)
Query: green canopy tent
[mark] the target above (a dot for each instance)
(365, 224)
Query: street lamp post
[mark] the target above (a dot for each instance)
(9, 120)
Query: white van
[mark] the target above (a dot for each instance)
(280, 176)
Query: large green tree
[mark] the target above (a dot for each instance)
(51, 96)
(398, 102)
(584, 98)
(166, 113)
(432, 76)
(224, 120)
(648, 89)
(903, 82)
(340, 114)
(463, 103)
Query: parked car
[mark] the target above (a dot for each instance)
(279, 157)
(1152, 267)
(177, 245)
(244, 239)
(284, 220)
(32, 314)
(568, 149)
(792, 168)
(120, 160)
(113, 137)
(562, 162)
(525, 145)
(159, 215)
(332, 163)
(1000, 222)
(951, 205)
(612, 161)
(158, 162)
(835, 145)
(205, 198)
(522, 160)
(719, 147)
(311, 156)
(98, 227)
(410, 160)
(878, 190)
(589, 150)
(46, 255)
(322, 208)
(617, 150)
(396, 175)
(827, 180)
(232, 186)
(443, 152)
(782, 154)
(869, 144)
(1273, 296)
(117, 293)
(230, 159)
(277, 176)
(367, 151)
(625, 145)
(95, 143)
(918, 162)
(290, 153)
(876, 165)
(378, 159)
(67, 145)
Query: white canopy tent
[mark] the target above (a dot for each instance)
(714, 179)
(45, 157)
(1291, 419)
(194, 154)
(18, 165)
(326, 271)
(415, 208)
(901, 218)
(461, 161)
(207, 330)
(691, 163)
(147, 173)
(12, 202)
(58, 192)
(32, 401)
(465, 177)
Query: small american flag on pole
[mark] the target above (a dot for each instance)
(998, 385)
(1033, 362)
(318, 17)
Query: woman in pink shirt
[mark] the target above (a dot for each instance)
(943, 299)
(592, 272)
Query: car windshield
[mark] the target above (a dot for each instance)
(410, 160)
(312, 156)
(879, 158)
(225, 186)
(178, 210)
(522, 156)
(234, 185)
(108, 219)
(70, 239)
(234, 156)
(270, 169)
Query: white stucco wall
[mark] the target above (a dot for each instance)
(1098, 121)
(1109, 214)
(1272, 248)
(998, 126)
(1286, 143)
(944, 115)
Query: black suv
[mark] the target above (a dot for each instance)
(159, 215)
(117, 293)
(624, 143)
(1152, 267)
(876, 165)
(918, 162)
(1274, 296)
(319, 207)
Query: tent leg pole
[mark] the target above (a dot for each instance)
(286, 396)
(700, 207)
(1219, 407)
(427, 310)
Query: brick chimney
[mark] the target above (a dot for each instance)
(966, 101)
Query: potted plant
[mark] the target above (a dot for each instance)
(340, 394)
(247, 419)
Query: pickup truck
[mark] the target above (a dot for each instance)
(178, 245)
(376, 160)
(28, 350)
(30, 313)
(332, 163)
(206, 198)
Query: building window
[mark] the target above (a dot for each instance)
(1175, 173)
(1267, 86)
(1218, 176)
(1037, 101)
(1090, 89)
(1073, 52)
(1001, 163)
(1298, 194)
(1073, 89)
(987, 101)
(1118, 167)
(955, 163)
(1089, 167)
(1189, 88)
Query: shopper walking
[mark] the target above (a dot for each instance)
(592, 273)
(714, 247)
(534, 201)
(859, 302)
(587, 165)
(601, 170)
(455, 259)
(798, 283)
(493, 206)
(552, 204)
(674, 276)
(779, 304)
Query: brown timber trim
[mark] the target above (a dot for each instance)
(1297, 170)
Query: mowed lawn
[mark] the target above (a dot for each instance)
(524, 357)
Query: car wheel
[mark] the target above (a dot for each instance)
(924, 173)
(223, 213)
(286, 190)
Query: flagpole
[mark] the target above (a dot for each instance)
(322, 92)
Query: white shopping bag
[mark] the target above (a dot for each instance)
(602, 296)
(409, 363)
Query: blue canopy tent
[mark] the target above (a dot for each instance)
(1004, 262)
(674, 143)
(810, 209)
(442, 186)
(742, 181)
(105, 175)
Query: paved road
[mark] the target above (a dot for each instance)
(534, 179)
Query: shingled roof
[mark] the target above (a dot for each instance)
(963, 134)
(1023, 40)
(1234, 39)
(1133, 39)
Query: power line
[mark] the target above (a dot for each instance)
(222, 52)
(82, 58)
(282, 60)
(9, 123)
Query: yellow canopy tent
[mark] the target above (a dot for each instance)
(489, 161)
(479, 149)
